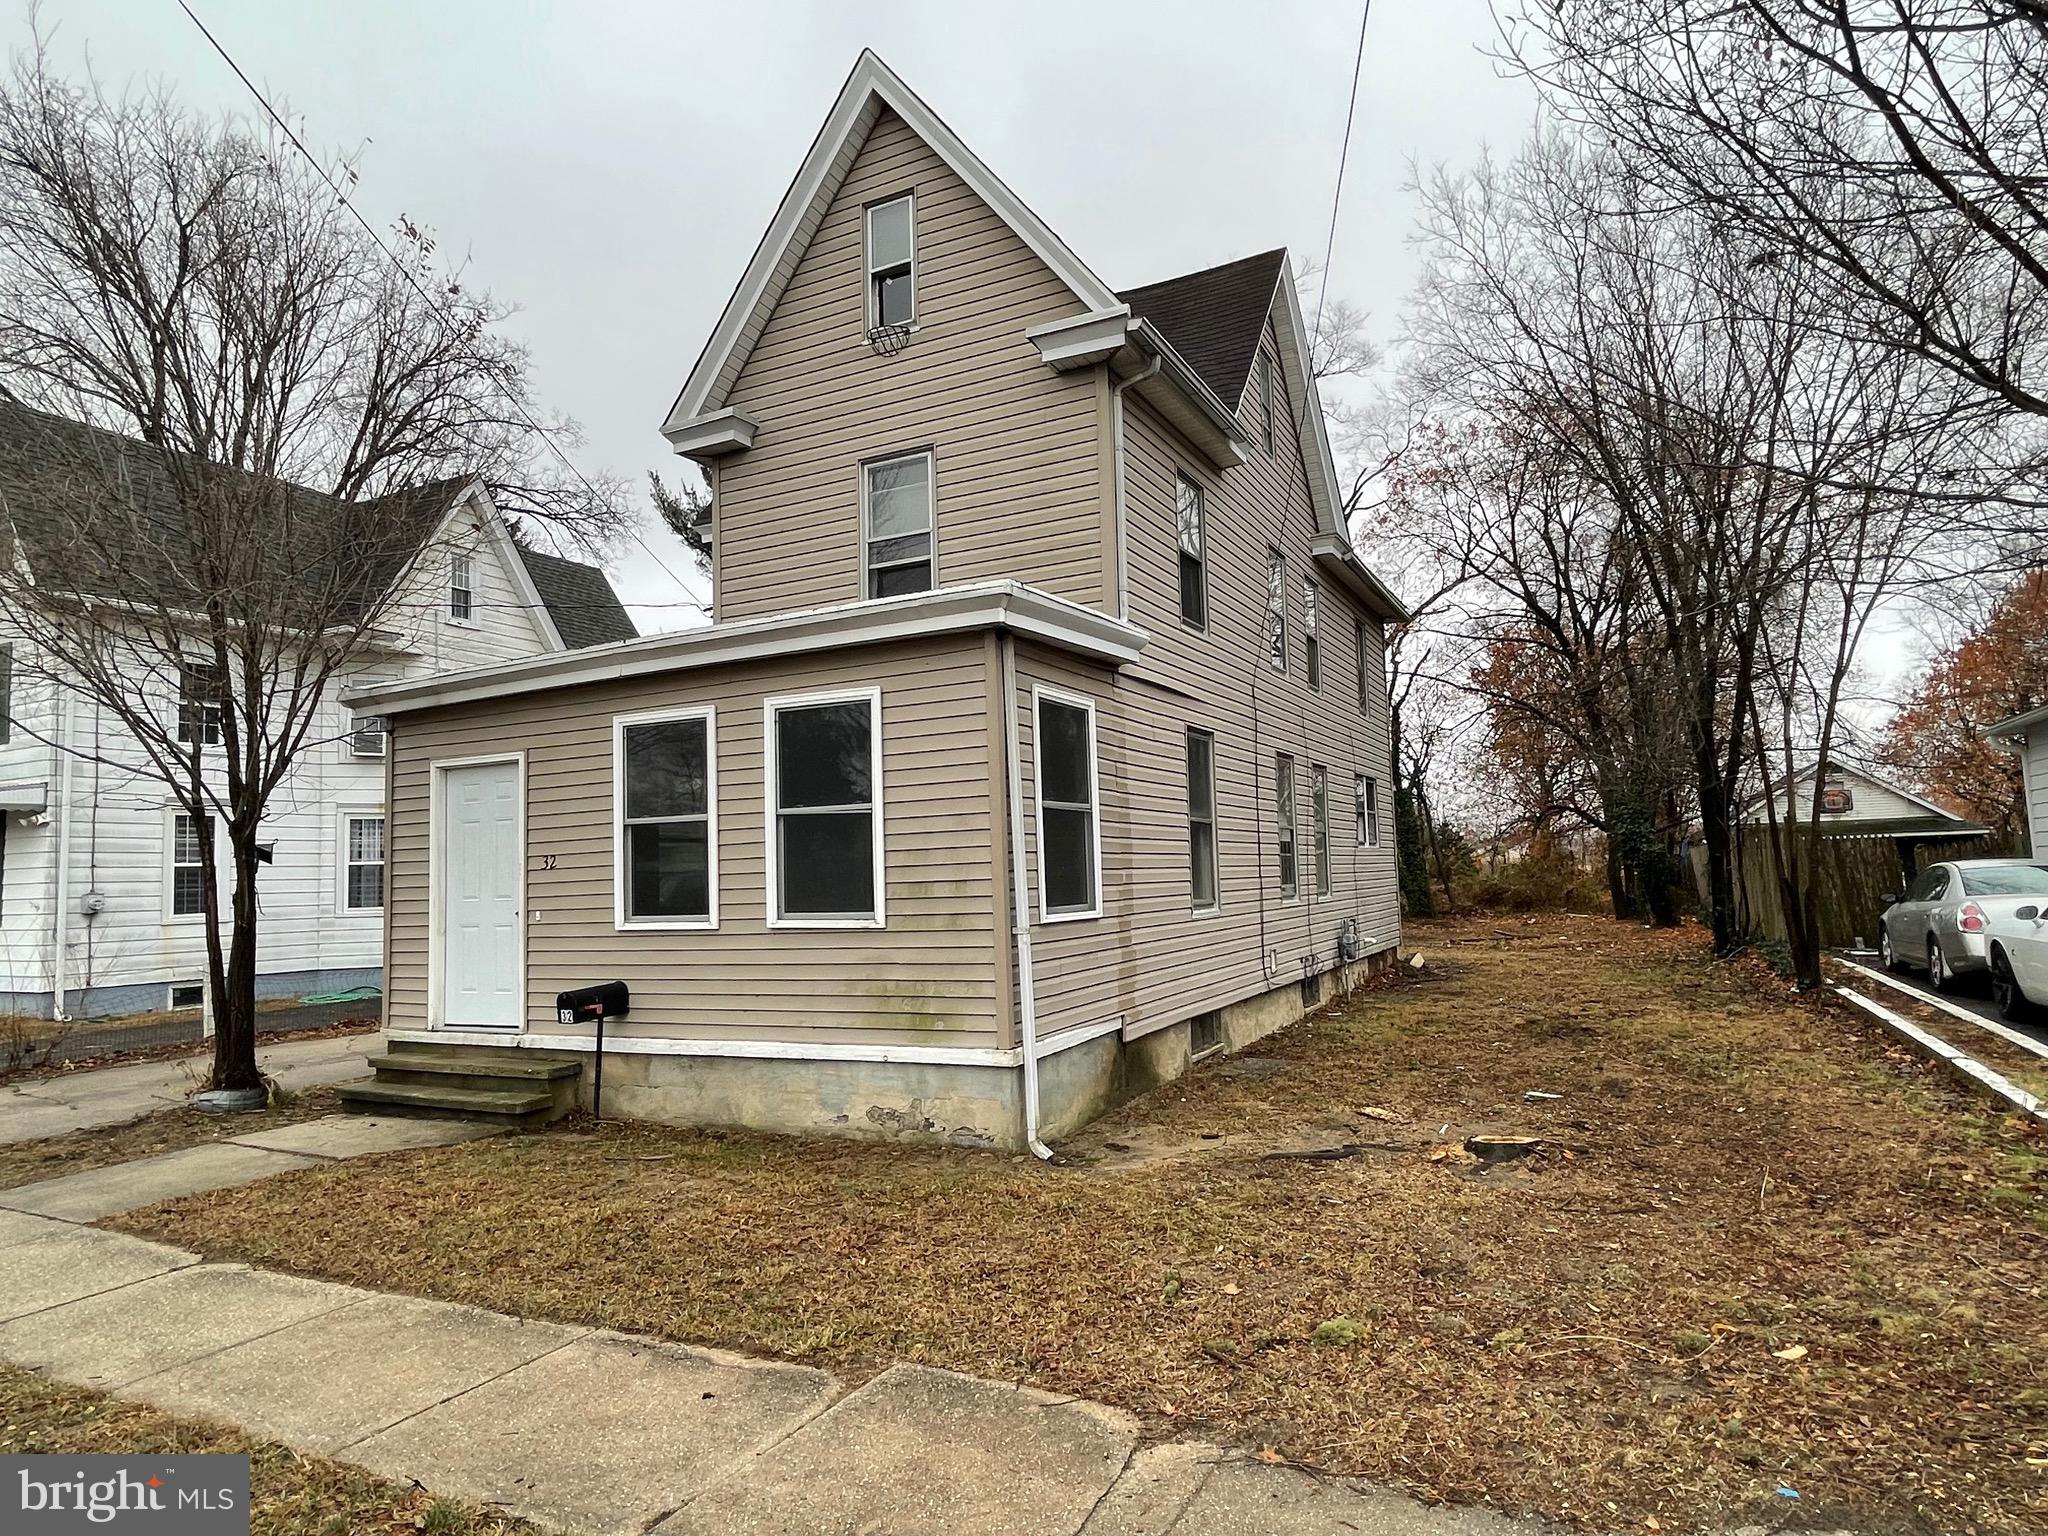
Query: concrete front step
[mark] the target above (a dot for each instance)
(492, 1071)
(531, 1106)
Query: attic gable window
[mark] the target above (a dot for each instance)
(199, 703)
(462, 587)
(1266, 400)
(891, 263)
(896, 513)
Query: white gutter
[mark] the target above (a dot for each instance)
(1020, 905)
(1123, 541)
(60, 918)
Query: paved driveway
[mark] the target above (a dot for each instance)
(76, 1101)
(1972, 993)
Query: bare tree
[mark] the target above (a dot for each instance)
(281, 412)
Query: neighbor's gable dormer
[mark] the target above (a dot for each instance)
(991, 464)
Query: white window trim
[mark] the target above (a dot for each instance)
(620, 921)
(343, 814)
(1293, 823)
(1276, 603)
(448, 602)
(170, 882)
(772, 795)
(1182, 477)
(867, 255)
(1087, 705)
(931, 489)
(1215, 833)
(1369, 817)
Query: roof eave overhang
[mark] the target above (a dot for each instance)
(1131, 345)
(712, 435)
(1341, 562)
(2013, 730)
(1006, 605)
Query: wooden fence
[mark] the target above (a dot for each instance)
(1855, 874)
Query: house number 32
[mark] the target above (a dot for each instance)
(547, 861)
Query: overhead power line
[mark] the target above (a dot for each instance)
(1343, 156)
(404, 271)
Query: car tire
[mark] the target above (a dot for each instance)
(1886, 953)
(1939, 976)
(2006, 993)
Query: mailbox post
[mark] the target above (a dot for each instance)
(606, 1000)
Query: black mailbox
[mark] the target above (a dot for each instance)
(606, 1000)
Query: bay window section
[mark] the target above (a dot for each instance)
(896, 502)
(665, 790)
(825, 801)
(1069, 846)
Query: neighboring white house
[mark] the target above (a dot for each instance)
(99, 888)
(2027, 735)
(1858, 803)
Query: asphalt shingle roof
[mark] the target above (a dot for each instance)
(1214, 318)
(579, 599)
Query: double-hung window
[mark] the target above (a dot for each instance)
(896, 514)
(1311, 646)
(1368, 812)
(1276, 609)
(462, 587)
(1202, 820)
(892, 261)
(199, 710)
(1266, 401)
(1069, 847)
(825, 810)
(1194, 576)
(665, 796)
(1283, 822)
(189, 836)
(1319, 814)
(362, 854)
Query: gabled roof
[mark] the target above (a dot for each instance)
(579, 599)
(53, 470)
(1874, 780)
(1215, 317)
(871, 87)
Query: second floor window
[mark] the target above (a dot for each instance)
(199, 703)
(1311, 647)
(896, 497)
(1194, 578)
(1068, 852)
(462, 587)
(1283, 821)
(1368, 812)
(892, 281)
(1319, 813)
(1276, 610)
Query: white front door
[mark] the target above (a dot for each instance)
(480, 858)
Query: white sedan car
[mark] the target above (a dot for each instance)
(2018, 959)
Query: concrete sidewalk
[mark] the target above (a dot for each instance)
(99, 1096)
(606, 1434)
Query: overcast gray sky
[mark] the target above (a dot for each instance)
(610, 166)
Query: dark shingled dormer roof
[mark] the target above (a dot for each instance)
(580, 600)
(1214, 318)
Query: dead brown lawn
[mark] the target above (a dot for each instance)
(1761, 1249)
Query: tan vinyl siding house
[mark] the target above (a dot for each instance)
(948, 467)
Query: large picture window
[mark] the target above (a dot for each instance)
(1069, 848)
(1194, 575)
(825, 810)
(665, 798)
(892, 259)
(362, 863)
(1283, 822)
(896, 514)
(189, 836)
(1202, 820)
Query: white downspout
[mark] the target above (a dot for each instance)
(1020, 908)
(60, 919)
(1123, 537)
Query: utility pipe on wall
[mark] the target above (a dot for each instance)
(1020, 904)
